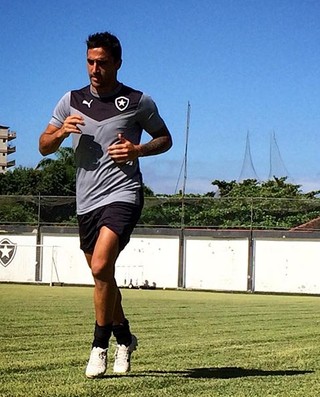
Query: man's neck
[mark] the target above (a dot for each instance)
(106, 90)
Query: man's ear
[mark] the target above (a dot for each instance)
(119, 63)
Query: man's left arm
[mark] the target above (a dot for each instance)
(161, 142)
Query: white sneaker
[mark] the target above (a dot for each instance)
(97, 364)
(123, 355)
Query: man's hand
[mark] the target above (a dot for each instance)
(51, 139)
(123, 151)
(70, 125)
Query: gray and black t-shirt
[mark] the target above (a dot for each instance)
(100, 180)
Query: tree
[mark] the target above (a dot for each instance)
(20, 181)
(270, 204)
(248, 204)
(58, 174)
(64, 155)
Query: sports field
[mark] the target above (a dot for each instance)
(190, 344)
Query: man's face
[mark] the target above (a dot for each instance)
(102, 69)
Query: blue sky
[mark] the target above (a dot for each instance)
(244, 65)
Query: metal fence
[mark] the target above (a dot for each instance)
(176, 212)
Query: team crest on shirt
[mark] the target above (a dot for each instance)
(121, 103)
(7, 251)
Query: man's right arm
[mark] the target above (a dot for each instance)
(51, 139)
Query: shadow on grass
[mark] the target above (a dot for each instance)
(227, 373)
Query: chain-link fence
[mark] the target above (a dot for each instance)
(175, 212)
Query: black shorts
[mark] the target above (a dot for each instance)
(120, 217)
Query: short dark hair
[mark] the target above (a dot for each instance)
(105, 40)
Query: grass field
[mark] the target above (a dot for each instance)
(190, 344)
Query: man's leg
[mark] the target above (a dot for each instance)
(126, 342)
(102, 264)
(120, 326)
(108, 309)
(118, 314)
(107, 297)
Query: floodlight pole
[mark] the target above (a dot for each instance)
(185, 168)
(181, 271)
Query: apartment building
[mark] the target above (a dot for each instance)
(6, 149)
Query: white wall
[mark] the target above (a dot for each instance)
(22, 252)
(212, 261)
(216, 264)
(63, 261)
(287, 265)
(154, 259)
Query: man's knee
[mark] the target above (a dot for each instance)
(102, 270)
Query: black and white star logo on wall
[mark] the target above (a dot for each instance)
(7, 251)
(121, 103)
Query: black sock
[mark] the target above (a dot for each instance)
(102, 335)
(122, 333)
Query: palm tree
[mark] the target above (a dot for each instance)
(58, 174)
(64, 155)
